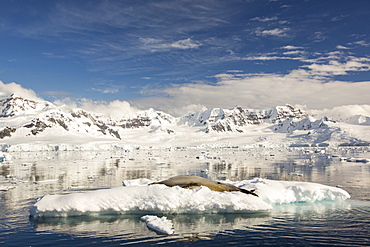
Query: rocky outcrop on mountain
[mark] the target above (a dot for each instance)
(6, 132)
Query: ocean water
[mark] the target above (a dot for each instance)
(340, 223)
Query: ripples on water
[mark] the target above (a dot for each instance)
(300, 224)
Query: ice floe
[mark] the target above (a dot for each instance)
(137, 197)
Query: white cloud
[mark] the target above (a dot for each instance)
(342, 47)
(235, 71)
(278, 32)
(158, 44)
(297, 52)
(116, 108)
(269, 57)
(362, 43)
(264, 19)
(185, 44)
(337, 68)
(291, 47)
(328, 64)
(319, 36)
(107, 88)
(14, 88)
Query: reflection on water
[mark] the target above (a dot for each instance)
(63, 171)
(36, 174)
(301, 222)
(186, 227)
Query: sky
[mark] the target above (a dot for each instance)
(181, 55)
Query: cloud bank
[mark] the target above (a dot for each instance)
(255, 91)
(7, 89)
(260, 91)
(313, 85)
(115, 109)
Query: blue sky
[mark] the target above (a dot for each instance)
(183, 55)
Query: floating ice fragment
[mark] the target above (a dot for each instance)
(159, 225)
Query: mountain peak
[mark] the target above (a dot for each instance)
(16, 105)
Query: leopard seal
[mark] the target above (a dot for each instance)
(190, 181)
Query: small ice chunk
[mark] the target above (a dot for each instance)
(159, 225)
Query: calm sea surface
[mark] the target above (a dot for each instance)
(32, 175)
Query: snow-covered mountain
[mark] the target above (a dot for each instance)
(17, 106)
(30, 121)
(351, 114)
(233, 120)
(22, 117)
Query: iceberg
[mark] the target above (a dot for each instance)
(137, 197)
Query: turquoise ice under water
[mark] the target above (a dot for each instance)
(335, 223)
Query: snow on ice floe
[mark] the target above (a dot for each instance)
(139, 198)
(161, 225)
(279, 192)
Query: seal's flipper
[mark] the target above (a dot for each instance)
(251, 192)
